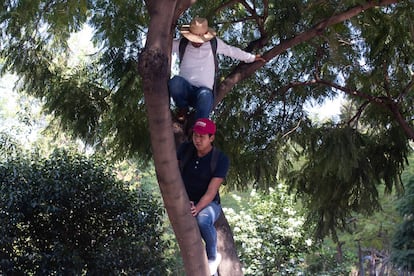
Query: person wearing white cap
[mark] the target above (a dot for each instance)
(193, 86)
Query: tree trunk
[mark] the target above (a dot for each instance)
(154, 68)
(339, 254)
(230, 264)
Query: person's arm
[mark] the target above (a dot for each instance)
(236, 53)
(212, 190)
(259, 58)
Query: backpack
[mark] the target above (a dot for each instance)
(181, 50)
(189, 150)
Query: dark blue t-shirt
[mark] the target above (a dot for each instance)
(197, 172)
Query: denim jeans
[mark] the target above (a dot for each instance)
(206, 219)
(185, 95)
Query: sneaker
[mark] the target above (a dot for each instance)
(213, 264)
(181, 114)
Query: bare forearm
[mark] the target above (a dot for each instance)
(208, 197)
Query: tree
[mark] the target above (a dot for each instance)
(314, 50)
(154, 70)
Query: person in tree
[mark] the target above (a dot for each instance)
(203, 169)
(194, 85)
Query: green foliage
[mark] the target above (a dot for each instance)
(66, 214)
(8, 146)
(269, 233)
(342, 172)
(370, 235)
(102, 102)
(367, 235)
(403, 242)
(375, 231)
(323, 261)
(259, 220)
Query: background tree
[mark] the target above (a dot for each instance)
(314, 50)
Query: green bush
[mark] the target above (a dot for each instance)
(67, 215)
(403, 243)
(272, 239)
(323, 261)
(269, 234)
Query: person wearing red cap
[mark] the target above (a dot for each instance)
(193, 86)
(202, 183)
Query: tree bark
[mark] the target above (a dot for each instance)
(230, 264)
(154, 68)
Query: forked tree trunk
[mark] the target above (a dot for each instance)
(154, 68)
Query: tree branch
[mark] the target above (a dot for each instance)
(292, 130)
(386, 102)
(243, 70)
(358, 114)
(259, 19)
(181, 7)
(406, 90)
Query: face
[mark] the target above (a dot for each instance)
(202, 142)
(196, 45)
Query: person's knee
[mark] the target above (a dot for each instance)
(175, 85)
(204, 103)
(203, 220)
(173, 81)
(171, 85)
(205, 95)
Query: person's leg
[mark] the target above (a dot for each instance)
(206, 219)
(179, 89)
(203, 102)
(184, 95)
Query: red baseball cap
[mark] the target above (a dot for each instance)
(204, 126)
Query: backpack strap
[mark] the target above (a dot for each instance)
(189, 151)
(213, 43)
(181, 48)
(214, 159)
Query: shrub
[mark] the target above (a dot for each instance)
(269, 234)
(66, 214)
(403, 244)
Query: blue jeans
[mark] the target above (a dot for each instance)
(184, 95)
(206, 219)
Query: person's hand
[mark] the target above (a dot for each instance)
(259, 58)
(193, 209)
